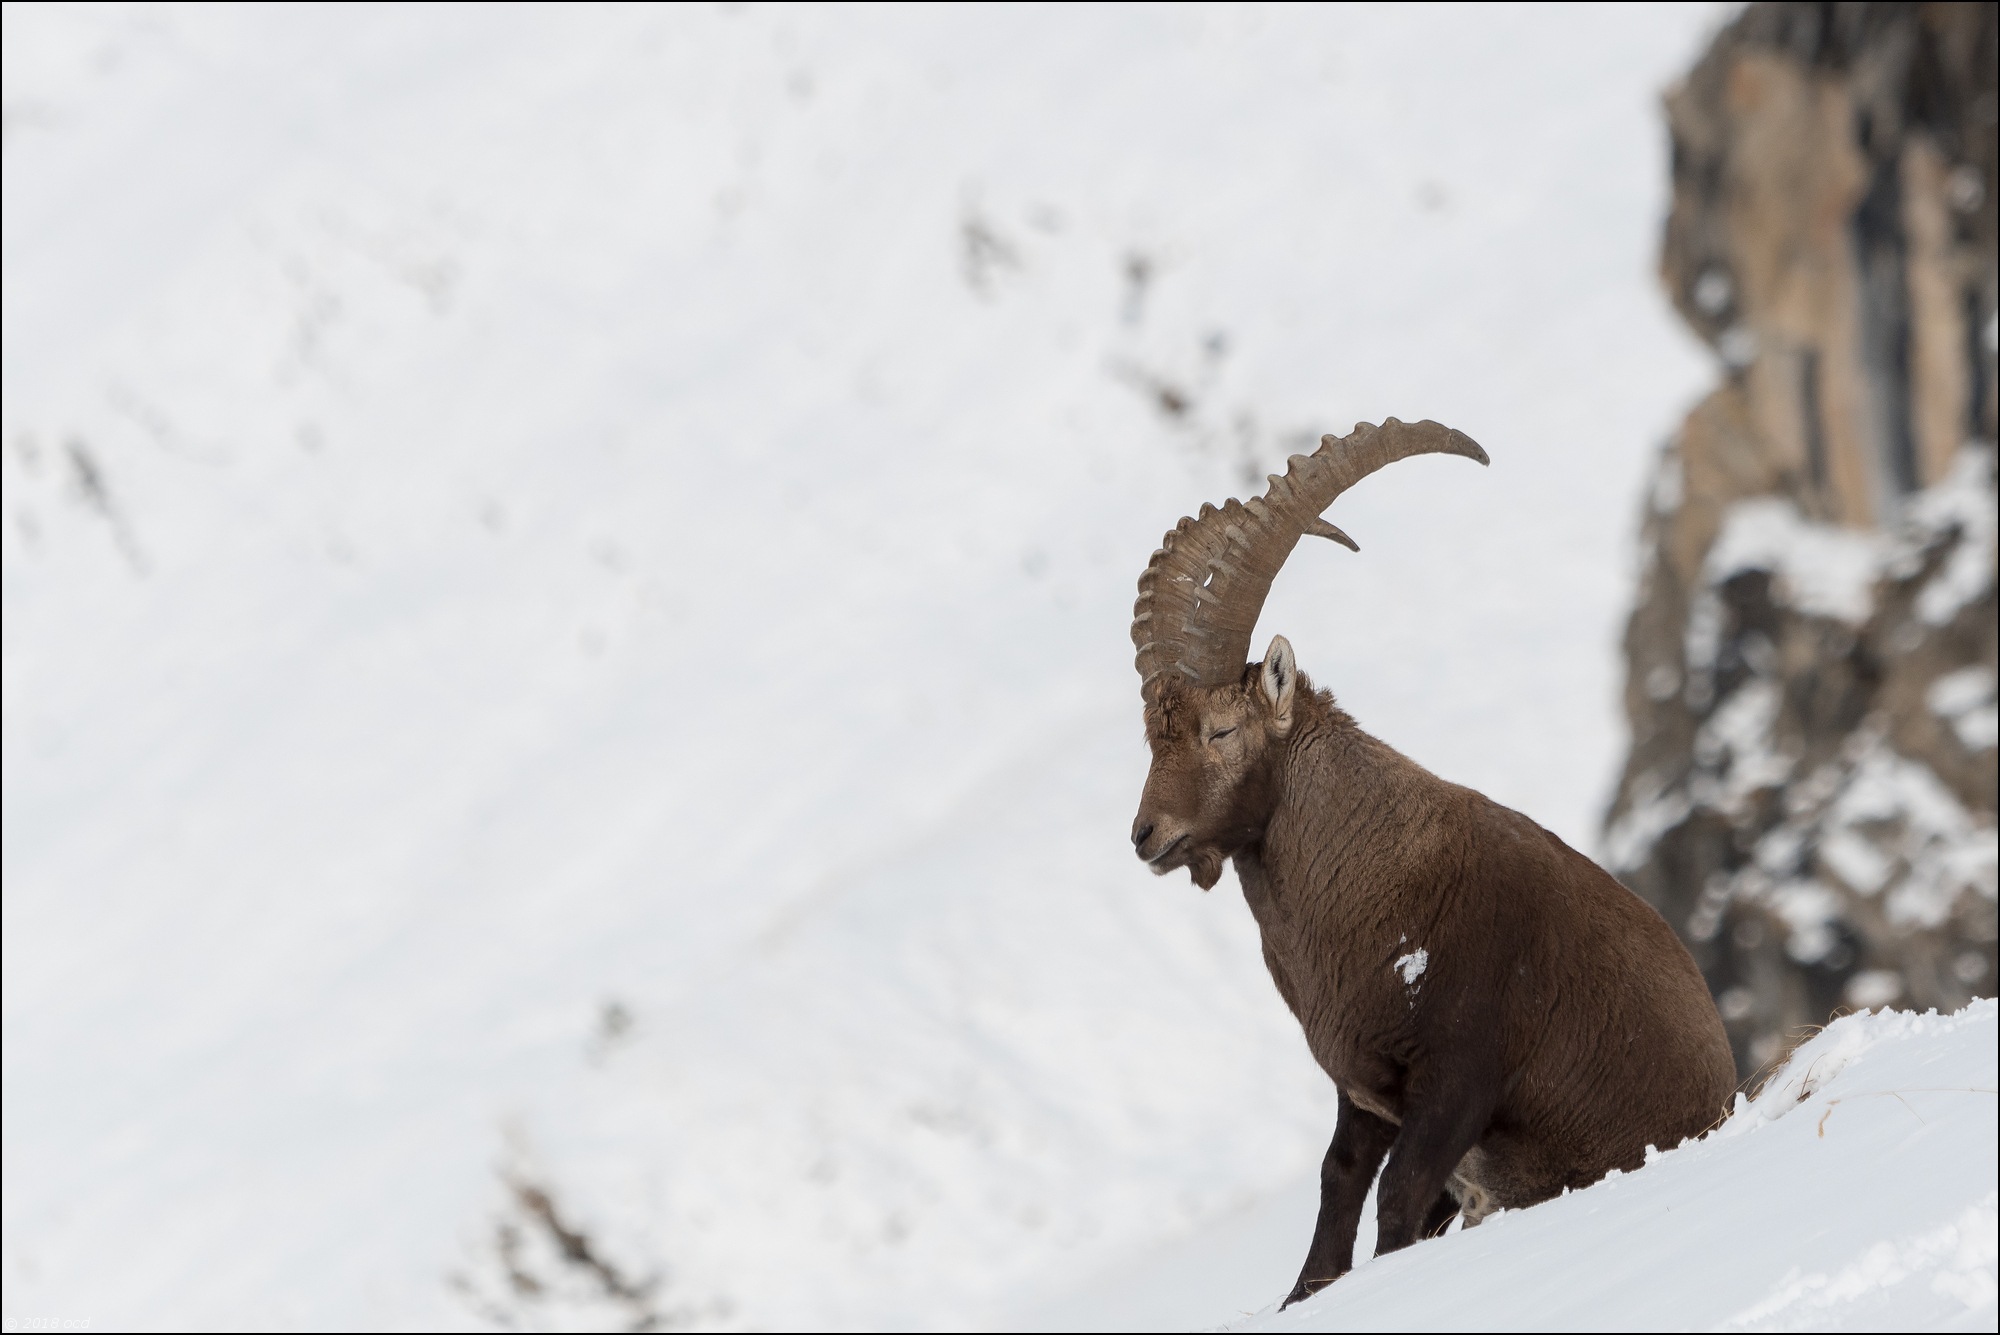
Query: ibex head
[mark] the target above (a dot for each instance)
(1218, 729)
(1215, 761)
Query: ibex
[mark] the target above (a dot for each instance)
(1500, 1017)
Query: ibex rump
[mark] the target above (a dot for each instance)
(1501, 1018)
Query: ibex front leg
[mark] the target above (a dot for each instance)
(1360, 1140)
(1444, 1114)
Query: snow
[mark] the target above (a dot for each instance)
(1824, 570)
(1855, 1192)
(1963, 500)
(1412, 966)
(1965, 699)
(1856, 861)
(1874, 987)
(1873, 820)
(1736, 739)
(1943, 848)
(1655, 809)
(566, 581)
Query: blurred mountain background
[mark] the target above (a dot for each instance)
(1810, 794)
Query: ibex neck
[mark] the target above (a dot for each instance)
(1340, 778)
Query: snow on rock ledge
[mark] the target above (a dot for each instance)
(1810, 799)
(1856, 1191)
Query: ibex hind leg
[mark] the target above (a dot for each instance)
(1443, 1211)
(1444, 1114)
(1470, 1185)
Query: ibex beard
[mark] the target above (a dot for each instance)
(1500, 1018)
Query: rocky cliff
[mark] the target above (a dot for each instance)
(1810, 793)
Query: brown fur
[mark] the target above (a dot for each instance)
(1558, 1027)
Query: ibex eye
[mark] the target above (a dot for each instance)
(1219, 734)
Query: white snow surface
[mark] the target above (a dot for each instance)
(1857, 1192)
(1824, 570)
(566, 579)
(1829, 571)
(1412, 966)
(1882, 823)
(1962, 499)
(1965, 699)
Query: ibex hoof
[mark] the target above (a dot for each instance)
(1303, 1290)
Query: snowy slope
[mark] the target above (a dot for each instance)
(1856, 1193)
(566, 579)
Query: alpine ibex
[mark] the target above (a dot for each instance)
(1500, 1017)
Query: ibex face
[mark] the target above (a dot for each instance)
(1216, 754)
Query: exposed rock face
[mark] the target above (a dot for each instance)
(1810, 796)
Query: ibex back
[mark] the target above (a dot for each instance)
(1501, 1018)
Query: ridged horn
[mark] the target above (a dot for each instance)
(1202, 591)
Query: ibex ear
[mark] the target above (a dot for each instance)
(1279, 679)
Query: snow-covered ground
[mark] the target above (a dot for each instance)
(1856, 1192)
(566, 578)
